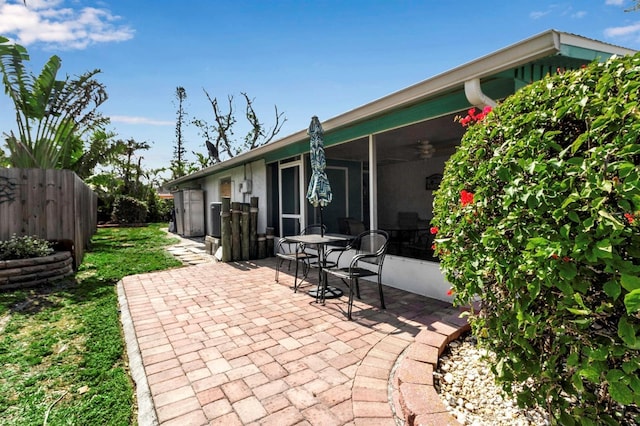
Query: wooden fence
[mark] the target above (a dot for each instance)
(55, 205)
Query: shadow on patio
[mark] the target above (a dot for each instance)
(223, 343)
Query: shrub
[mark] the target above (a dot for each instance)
(24, 248)
(159, 209)
(538, 216)
(129, 210)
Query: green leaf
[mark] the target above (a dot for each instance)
(537, 242)
(631, 366)
(584, 421)
(615, 375)
(603, 249)
(575, 146)
(566, 419)
(573, 216)
(612, 220)
(577, 382)
(632, 301)
(579, 311)
(630, 282)
(568, 270)
(572, 360)
(612, 289)
(599, 354)
(591, 374)
(621, 393)
(627, 332)
(625, 168)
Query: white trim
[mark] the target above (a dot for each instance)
(301, 208)
(373, 185)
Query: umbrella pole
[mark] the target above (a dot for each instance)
(321, 223)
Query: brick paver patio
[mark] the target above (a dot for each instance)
(223, 343)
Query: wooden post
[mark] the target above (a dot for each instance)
(253, 233)
(262, 246)
(225, 216)
(270, 231)
(236, 210)
(245, 231)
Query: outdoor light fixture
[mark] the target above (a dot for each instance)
(425, 149)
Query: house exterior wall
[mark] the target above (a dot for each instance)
(416, 276)
(500, 74)
(255, 172)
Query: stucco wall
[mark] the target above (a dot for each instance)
(256, 172)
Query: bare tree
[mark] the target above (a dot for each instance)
(178, 167)
(252, 140)
(219, 137)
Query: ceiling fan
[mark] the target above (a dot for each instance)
(425, 149)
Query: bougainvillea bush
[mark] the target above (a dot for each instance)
(538, 217)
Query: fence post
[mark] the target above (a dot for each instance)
(253, 234)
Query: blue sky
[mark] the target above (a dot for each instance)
(305, 57)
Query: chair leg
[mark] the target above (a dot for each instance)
(350, 303)
(295, 279)
(381, 295)
(358, 288)
(278, 265)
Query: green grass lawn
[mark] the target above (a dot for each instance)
(61, 346)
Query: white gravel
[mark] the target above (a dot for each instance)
(468, 389)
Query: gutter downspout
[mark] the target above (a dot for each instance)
(473, 92)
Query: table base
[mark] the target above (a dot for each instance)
(330, 292)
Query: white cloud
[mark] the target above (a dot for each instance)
(614, 2)
(126, 119)
(579, 14)
(538, 14)
(48, 22)
(622, 31)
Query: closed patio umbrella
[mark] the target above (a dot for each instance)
(319, 191)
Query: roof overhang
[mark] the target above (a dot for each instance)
(545, 44)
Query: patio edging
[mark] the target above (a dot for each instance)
(414, 395)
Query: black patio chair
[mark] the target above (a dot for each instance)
(369, 249)
(287, 251)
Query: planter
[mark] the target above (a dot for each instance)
(22, 273)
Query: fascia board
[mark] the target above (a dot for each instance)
(598, 46)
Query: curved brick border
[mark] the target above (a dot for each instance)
(413, 395)
(370, 393)
(21, 273)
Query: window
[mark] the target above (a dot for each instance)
(225, 188)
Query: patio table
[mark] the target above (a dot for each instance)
(323, 291)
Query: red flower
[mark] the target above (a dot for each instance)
(486, 110)
(555, 256)
(434, 230)
(465, 121)
(566, 259)
(466, 197)
(450, 292)
(472, 113)
(630, 218)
